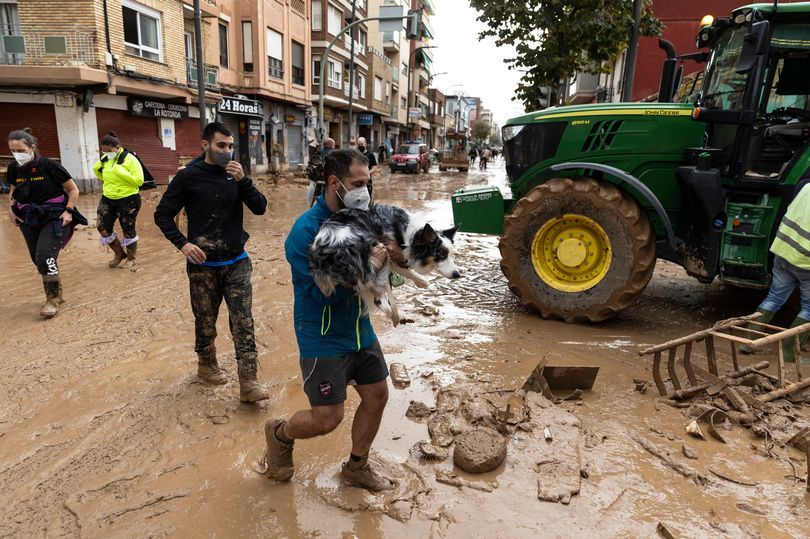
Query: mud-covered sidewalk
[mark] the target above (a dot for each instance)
(105, 431)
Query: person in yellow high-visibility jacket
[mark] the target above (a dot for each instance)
(791, 267)
(120, 200)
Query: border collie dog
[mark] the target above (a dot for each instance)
(341, 253)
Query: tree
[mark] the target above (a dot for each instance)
(481, 131)
(555, 39)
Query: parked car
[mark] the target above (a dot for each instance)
(410, 157)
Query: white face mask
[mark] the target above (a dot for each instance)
(22, 157)
(356, 199)
(110, 155)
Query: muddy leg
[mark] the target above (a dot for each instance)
(128, 217)
(206, 297)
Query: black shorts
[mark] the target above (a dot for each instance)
(326, 378)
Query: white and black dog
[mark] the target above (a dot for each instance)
(341, 253)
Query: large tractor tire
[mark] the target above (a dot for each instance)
(577, 250)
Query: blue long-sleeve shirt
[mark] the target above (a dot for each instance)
(324, 325)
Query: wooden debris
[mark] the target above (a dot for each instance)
(698, 478)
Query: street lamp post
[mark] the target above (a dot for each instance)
(410, 61)
(351, 71)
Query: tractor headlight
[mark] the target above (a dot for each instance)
(511, 131)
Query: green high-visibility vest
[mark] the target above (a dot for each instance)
(793, 237)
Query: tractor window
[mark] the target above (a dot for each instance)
(532, 144)
(791, 85)
(724, 87)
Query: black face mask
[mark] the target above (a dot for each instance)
(361, 149)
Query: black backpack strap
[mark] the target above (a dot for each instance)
(123, 155)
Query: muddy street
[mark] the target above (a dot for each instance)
(106, 431)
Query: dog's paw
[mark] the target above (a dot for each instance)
(421, 283)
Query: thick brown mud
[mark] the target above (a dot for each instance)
(105, 430)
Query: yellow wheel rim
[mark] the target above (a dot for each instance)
(571, 253)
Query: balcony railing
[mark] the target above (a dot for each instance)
(358, 47)
(395, 75)
(48, 44)
(394, 111)
(298, 75)
(275, 68)
(211, 74)
(346, 91)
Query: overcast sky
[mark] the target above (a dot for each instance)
(476, 66)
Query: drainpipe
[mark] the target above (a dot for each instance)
(107, 28)
(200, 70)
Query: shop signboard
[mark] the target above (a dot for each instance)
(245, 107)
(365, 119)
(150, 108)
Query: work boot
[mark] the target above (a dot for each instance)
(120, 255)
(130, 253)
(61, 299)
(51, 306)
(766, 316)
(250, 390)
(211, 373)
(360, 474)
(278, 456)
(787, 345)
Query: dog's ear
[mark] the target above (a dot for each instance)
(450, 232)
(428, 234)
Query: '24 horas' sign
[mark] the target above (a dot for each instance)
(234, 105)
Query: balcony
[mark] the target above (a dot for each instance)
(584, 88)
(48, 45)
(394, 111)
(390, 41)
(358, 47)
(211, 74)
(356, 92)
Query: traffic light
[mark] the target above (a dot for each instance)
(414, 27)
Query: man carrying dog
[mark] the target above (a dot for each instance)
(337, 345)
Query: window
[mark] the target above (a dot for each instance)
(247, 46)
(189, 41)
(223, 44)
(141, 31)
(335, 79)
(403, 103)
(335, 20)
(405, 69)
(377, 89)
(275, 55)
(297, 63)
(361, 82)
(316, 72)
(317, 16)
(362, 39)
(387, 93)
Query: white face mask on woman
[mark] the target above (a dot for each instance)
(356, 199)
(110, 155)
(23, 158)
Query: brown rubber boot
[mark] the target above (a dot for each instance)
(251, 391)
(360, 474)
(278, 456)
(130, 252)
(211, 373)
(61, 299)
(120, 255)
(51, 306)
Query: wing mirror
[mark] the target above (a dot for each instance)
(755, 44)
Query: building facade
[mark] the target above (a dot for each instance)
(73, 70)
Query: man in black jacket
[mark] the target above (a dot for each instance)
(212, 191)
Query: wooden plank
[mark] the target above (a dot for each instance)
(673, 376)
(797, 356)
(734, 356)
(732, 338)
(698, 335)
(780, 366)
(656, 371)
(710, 357)
(748, 330)
(687, 363)
(784, 334)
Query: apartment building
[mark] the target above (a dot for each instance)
(437, 118)
(73, 70)
(329, 17)
(420, 62)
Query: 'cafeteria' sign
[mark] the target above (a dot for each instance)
(233, 105)
(157, 109)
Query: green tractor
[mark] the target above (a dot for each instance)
(601, 191)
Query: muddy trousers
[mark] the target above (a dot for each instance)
(209, 286)
(43, 246)
(124, 210)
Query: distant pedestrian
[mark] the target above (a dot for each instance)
(381, 154)
(213, 193)
(473, 155)
(43, 205)
(121, 175)
(373, 167)
(328, 146)
(485, 156)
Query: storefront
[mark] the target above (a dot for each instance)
(244, 117)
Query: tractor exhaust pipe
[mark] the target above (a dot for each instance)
(668, 75)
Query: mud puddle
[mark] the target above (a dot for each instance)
(105, 431)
